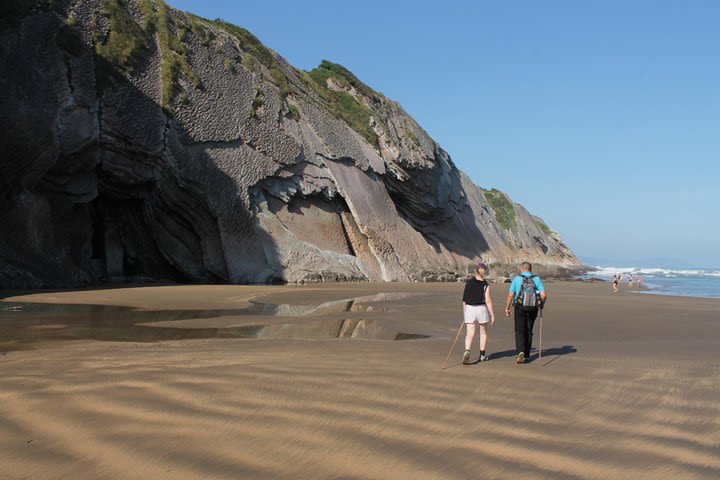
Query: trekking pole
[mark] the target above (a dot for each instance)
(453, 345)
(540, 356)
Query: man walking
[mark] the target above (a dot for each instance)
(527, 293)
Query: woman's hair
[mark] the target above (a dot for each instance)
(480, 271)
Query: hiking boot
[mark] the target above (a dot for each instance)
(466, 357)
(483, 358)
(521, 357)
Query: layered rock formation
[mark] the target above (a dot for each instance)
(141, 142)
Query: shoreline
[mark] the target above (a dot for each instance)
(681, 282)
(76, 296)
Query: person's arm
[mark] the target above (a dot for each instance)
(543, 293)
(488, 301)
(510, 298)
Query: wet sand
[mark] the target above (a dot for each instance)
(628, 386)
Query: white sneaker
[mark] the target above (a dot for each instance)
(521, 357)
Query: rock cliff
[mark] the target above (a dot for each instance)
(142, 142)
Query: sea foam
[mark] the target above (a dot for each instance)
(668, 281)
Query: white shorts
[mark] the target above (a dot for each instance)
(477, 314)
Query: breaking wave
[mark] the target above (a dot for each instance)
(668, 281)
(651, 271)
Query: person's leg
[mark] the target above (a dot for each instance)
(520, 333)
(469, 335)
(483, 336)
(520, 330)
(529, 324)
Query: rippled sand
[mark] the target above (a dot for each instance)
(628, 387)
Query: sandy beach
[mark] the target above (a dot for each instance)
(628, 385)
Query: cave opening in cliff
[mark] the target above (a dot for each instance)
(98, 233)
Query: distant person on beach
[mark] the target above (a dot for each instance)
(630, 281)
(527, 294)
(639, 280)
(477, 311)
(615, 282)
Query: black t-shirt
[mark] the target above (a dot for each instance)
(475, 292)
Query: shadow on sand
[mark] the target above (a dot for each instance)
(549, 355)
(553, 352)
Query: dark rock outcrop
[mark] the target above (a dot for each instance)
(140, 142)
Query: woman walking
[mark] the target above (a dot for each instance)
(477, 311)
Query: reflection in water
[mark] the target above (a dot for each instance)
(28, 324)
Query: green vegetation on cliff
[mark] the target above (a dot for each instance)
(343, 76)
(147, 7)
(503, 208)
(229, 66)
(294, 112)
(343, 105)
(253, 47)
(411, 135)
(175, 57)
(543, 226)
(126, 40)
(257, 104)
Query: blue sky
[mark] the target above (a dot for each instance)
(603, 117)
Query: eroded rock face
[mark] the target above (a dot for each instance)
(243, 177)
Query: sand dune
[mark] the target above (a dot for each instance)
(603, 402)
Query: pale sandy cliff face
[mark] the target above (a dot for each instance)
(253, 171)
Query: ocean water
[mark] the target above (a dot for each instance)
(669, 281)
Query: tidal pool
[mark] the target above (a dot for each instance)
(31, 325)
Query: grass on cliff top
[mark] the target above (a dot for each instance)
(127, 39)
(503, 208)
(543, 226)
(254, 47)
(147, 7)
(343, 105)
(345, 76)
(175, 57)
